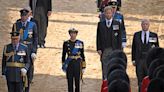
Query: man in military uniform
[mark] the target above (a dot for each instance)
(15, 64)
(143, 41)
(120, 18)
(74, 65)
(28, 36)
(30, 16)
(41, 11)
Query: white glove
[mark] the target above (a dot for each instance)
(23, 71)
(134, 63)
(33, 56)
(4, 77)
(83, 70)
(123, 44)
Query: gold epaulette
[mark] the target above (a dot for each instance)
(23, 44)
(8, 54)
(15, 64)
(83, 64)
(74, 57)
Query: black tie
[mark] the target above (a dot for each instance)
(145, 38)
(108, 23)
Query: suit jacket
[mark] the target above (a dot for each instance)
(109, 37)
(137, 45)
(32, 35)
(21, 55)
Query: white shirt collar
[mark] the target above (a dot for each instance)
(108, 25)
(29, 19)
(147, 35)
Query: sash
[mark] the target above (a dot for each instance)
(25, 34)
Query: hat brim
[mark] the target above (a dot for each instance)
(14, 37)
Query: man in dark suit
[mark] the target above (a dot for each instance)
(143, 41)
(41, 10)
(15, 63)
(108, 34)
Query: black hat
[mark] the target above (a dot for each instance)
(156, 63)
(108, 54)
(72, 30)
(153, 54)
(24, 12)
(113, 3)
(156, 85)
(119, 86)
(14, 34)
(113, 67)
(119, 54)
(116, 60)
(118, 74)
(159, 72)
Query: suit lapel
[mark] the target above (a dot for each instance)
(140, 37)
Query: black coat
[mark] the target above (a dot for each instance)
(46, 4)
(109, 37)
(137, 45)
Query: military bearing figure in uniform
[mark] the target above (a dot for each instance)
(28, 36)
(74, 65)
(120, 18)
(15, 64)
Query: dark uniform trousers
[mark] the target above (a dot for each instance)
(42, 19)
(15, 86)
(73, 73)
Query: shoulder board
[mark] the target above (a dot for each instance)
(80, 41)
(119, 12)
(32, 22)
(23, 44)
(66, 41)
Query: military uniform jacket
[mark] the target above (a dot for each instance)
(68, 46)
(120, 18)
(28, 35)
(109, 37)
(137, 44)
(21, 55)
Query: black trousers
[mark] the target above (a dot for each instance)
(15, 86)
(41, 18)
(73, 75)
(141, 71)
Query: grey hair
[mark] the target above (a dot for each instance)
(145, 20)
